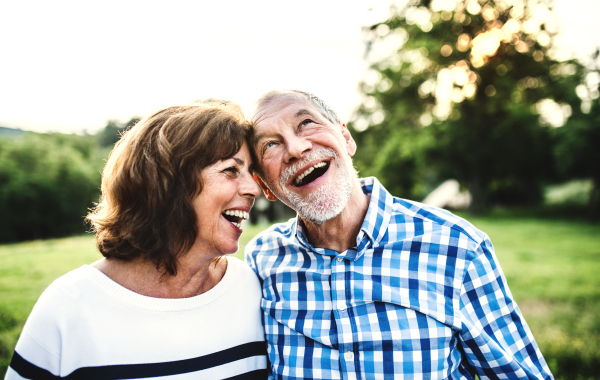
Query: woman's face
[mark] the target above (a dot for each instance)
(226, 198)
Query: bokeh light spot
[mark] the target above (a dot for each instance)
(522, 47)
(473, 7)
(446, 50)
(425, 119)
(501, 69)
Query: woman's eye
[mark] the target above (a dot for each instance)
(231, 170)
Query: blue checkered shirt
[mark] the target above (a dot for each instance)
(420, 296)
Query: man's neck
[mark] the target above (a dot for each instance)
(339, 234)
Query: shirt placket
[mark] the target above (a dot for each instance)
(346, 325)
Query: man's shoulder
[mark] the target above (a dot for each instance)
(406, 215)
(408, 211)
(277, 235)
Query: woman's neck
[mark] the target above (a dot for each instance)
(193, 278)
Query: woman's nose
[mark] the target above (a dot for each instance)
(249, 187)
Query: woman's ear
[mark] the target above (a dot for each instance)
(270, 196)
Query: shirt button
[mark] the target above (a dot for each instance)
(342, 308)
(349, 355)
(340, 259)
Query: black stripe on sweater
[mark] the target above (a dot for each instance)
(136, 371)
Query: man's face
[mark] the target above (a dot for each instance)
(304, 158)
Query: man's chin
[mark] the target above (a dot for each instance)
(324, 204)
(318, 219)
(318, 204)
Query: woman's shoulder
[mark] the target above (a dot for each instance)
(67, 287)
(239, 266)
(63, 295)
(241, 277)
(61, 301)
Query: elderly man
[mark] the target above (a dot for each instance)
(363, 285)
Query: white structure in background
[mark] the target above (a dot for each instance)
(448, 195)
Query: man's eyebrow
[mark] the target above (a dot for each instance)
(301, 112)
(256, 138)
(304, 111)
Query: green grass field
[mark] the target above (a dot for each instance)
(552, 268)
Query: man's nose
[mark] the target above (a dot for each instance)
(295, 148)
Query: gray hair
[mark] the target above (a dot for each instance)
(323, 108)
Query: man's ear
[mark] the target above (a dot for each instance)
(270, 196)
(350, 143)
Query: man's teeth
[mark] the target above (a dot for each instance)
(238, 214)
(308, 171)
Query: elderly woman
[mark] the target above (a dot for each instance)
(163, 302)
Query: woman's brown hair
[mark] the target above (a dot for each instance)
(153, 175)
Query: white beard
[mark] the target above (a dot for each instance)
(329, 200)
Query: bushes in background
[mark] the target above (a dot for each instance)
(47, 183)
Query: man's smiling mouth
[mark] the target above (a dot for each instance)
(311, 174)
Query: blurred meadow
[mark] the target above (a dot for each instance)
(551, 266)
(469, 105)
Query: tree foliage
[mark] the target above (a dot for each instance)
(48, 181)
(113, 130)
(576, 149)
(460, 97)
(46, 187)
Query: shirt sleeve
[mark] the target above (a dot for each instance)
(249, 257)
(32, 360)
(37, 353)
(495, 337)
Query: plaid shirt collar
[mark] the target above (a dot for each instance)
(373, 227)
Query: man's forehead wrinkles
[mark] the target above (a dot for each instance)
(282, 107)
(277, 115)
(267, 116)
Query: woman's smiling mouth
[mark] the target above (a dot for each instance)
(236, 217)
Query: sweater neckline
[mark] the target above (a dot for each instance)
(140, 301)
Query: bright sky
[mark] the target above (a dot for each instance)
(70, 66)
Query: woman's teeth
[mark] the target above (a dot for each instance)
(308, 171)
(236, 217)
(237, 213)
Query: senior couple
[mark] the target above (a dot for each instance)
(360, 285)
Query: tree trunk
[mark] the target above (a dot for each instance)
(477, 197)
(594, 202)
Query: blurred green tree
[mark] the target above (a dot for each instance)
(460, 97)
(46, 187)
(577, 143)
(111, 133)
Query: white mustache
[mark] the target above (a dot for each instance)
(317, 154)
